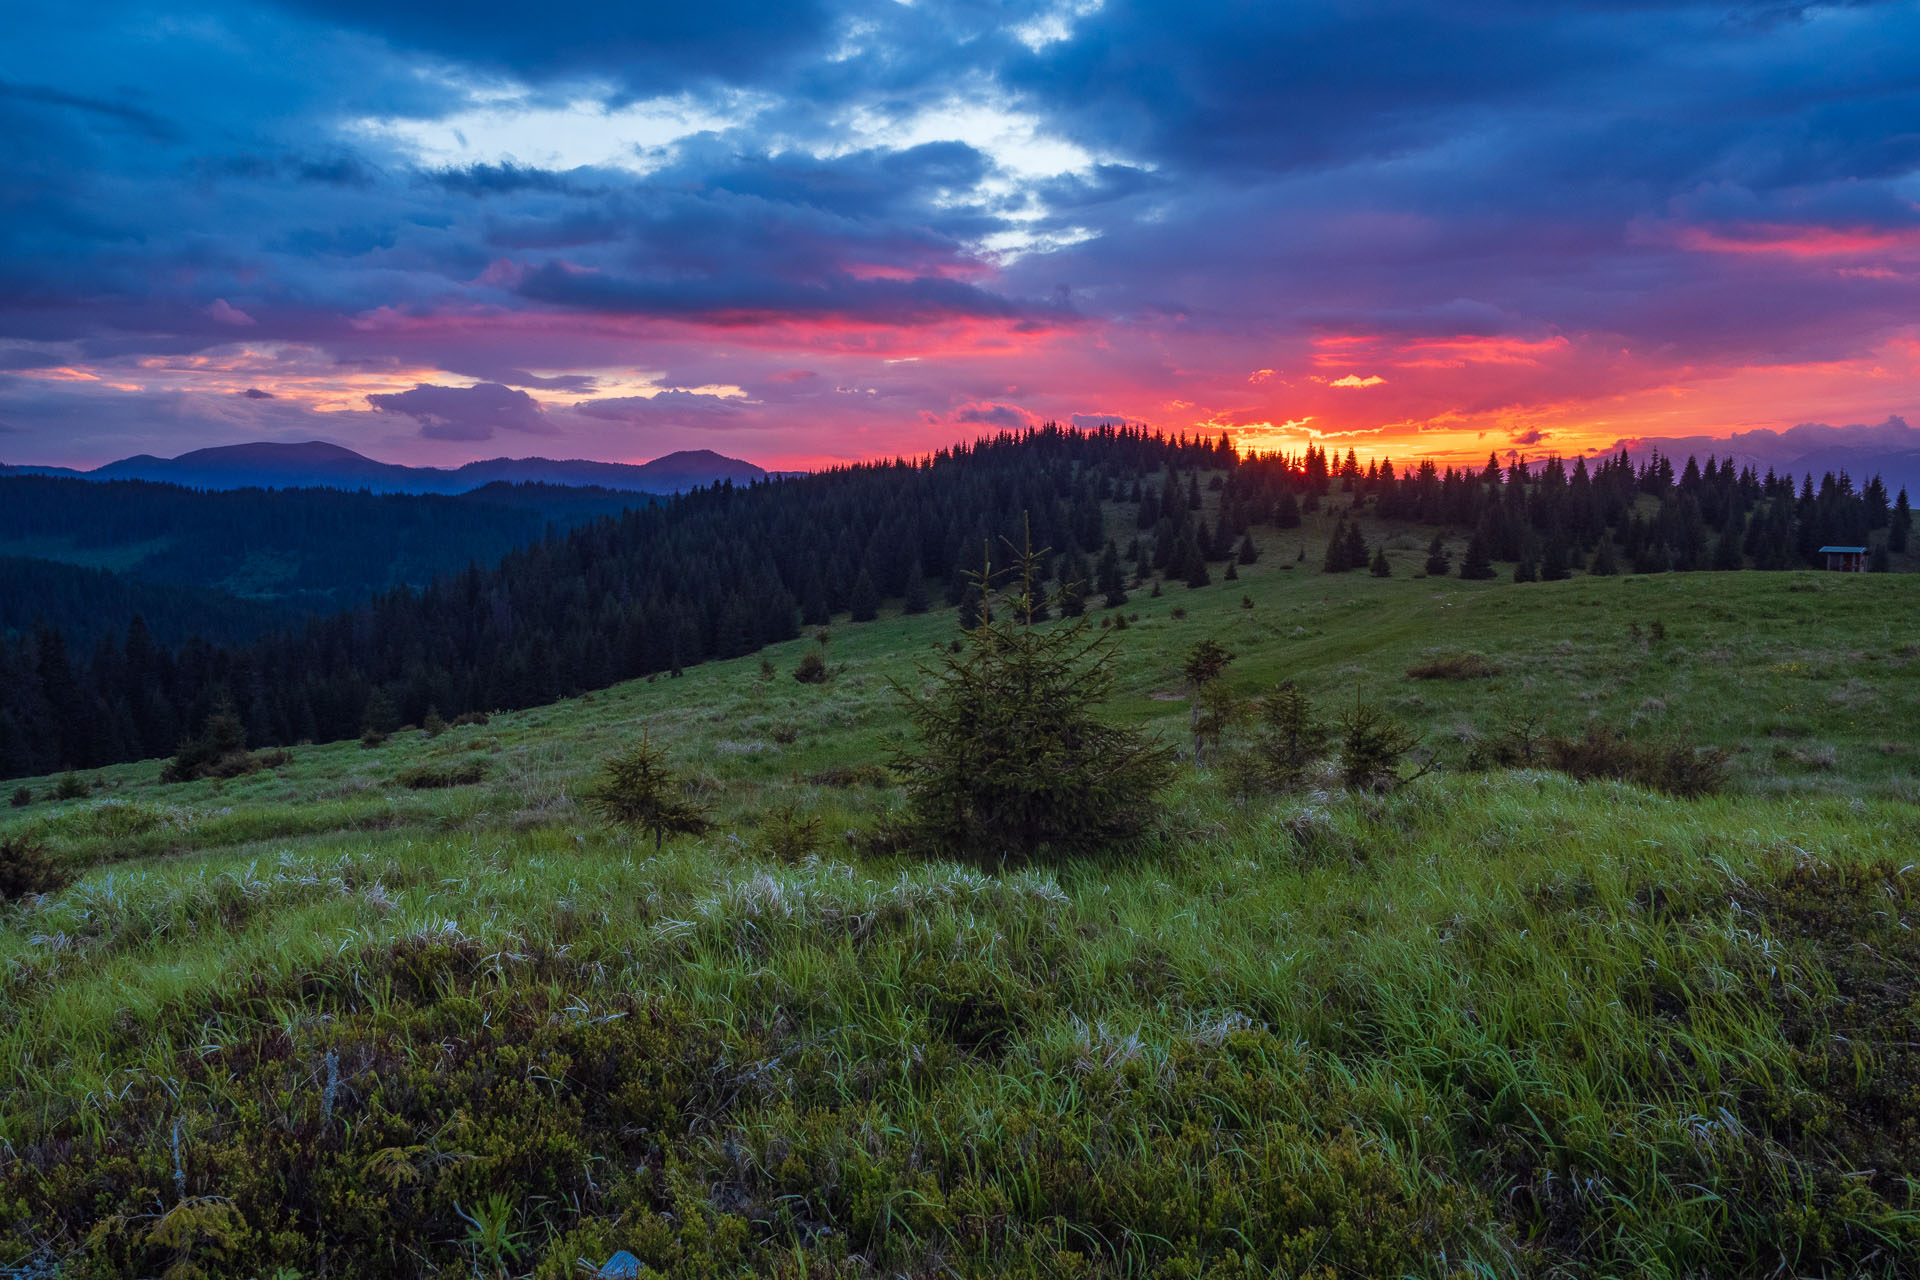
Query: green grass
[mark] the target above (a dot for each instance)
(1500, 1024)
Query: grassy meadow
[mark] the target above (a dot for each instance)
(316, 1021)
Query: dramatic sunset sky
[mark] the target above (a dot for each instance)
(800, 231)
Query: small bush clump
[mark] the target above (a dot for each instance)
(860, 775)
(1455, 666)
(25, 869)
(71, 786)
(428, 777)
(466, 718)
(1672, 767)
(219, 751)
(812, 668)
(22, 797)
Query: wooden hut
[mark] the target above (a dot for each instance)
(1846, 559)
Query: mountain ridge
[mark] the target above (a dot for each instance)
(317, 464)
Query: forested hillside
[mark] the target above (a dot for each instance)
(723, 571)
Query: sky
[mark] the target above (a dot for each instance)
(810, 231)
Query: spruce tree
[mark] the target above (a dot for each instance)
(1195, 566)
(1727, 556)
(1288, 738)
(379, 719)
(1605, 562)
(915, 600)
(1900, 524)
(1356, 552)
(1438, 564)
(864, 603)
(1381, 568)
(1553, 561)
(1204, 664)
(637, 789)
(1010, 759)
(1110, 582)
(1248, 552)
(1336, 559)
(1476, 563)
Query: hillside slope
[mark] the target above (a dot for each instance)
(321, 1018)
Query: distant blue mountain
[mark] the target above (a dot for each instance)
(317, 465)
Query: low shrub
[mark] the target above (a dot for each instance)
(791, 836)
(25, 869)
(860, 775)
(71, 786)
(1672, 767)
(466, 718)
(1372, 745)
(219, 750)
(1455, 666)
(429, 777)
(785, 734)
(812, 669)
(22, 797)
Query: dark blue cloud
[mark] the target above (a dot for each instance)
(466, 413)
(650, 45)
(1254, 172)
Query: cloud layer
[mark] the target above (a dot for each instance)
(842, 228)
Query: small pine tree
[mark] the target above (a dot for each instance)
(1010, 759)
(1289, 740)
(1204, 664)
(1605, 562)
(864, 603)
(1248, 553)
(1438, 563)
(22, 797)
(221, 737)
(1878, 560)
(636, 789)
(1372, 745)
(1233, 572)
(434, 724)
(1476, 564)
(1111, 582)
(1523, 570)
(1195, 566)
(1381, 567)
(1900, 524)
(379, 717)
(812, 668)
(1553, 561)
(1356, 553)
(915, 600)
(971, 611)
(1336, 558)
